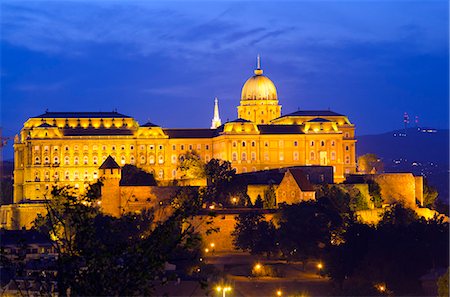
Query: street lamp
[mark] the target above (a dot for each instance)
(258, 267)
(279, 293)
(320, 266)
(224, 290)
(212, 245)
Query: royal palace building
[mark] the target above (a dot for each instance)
(67, 148)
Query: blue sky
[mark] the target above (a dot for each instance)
(166, 61)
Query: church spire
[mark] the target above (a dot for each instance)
(216, 122)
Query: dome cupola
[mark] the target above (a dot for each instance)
(259, 86)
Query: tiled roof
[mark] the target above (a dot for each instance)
(190, 133)
(149, 124)
(319, 120)
(96, 131)
(280, 129)
(109, 163)
(314, 113)
(82, 114)
(301, 180)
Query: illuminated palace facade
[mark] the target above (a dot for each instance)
(68, 147)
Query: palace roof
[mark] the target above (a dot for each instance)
(190, 133)
(111, 114)
(109, 163)
(312, 113)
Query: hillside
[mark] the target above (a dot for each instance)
(422, 151)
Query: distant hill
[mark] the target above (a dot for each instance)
(422, 151)
(412, 144)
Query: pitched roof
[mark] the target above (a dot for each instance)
(109, 163)
(301, 180)
(96, 131)
(190, 133)
(280, 129)
(82, 114)
(239, 120)
(314, 113)
(45, 125)
(319, 120)
(149, 124)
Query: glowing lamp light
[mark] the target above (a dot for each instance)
(279, 293)
(320, 266)
(258, 267)
(212, 245)
(207, 250)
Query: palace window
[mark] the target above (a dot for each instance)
(199, 147)
(190, 147)
(295, 156)
(243, 143)
(333, 155)
(160, 147)
(67, 175)
(37, 160)
(132, 161)
(244, 169)
(244, 157)
(160, 159)
(266, 156)
(174, 159)
(347, 148)
(182, 147)
(206, 147)
(95, 175)
(152, 160)
(296, 143)
(86, 175)
(104, 158)
(281, 156)
(174, 173)
(253, 156)
(46, 176)
(161, 174)
(142, 147)
(322, 143)
(75, 175)
(55, 148)
(122, 160)
(347, 135)
(113, 147)
(142, 160)
(122, 147)
(234, 156)
(266, 144)
(46, 160)
(312, 143)
(36, 147)
(347, 159)
(56, 160)
(104, 148)
(85, 148)
(253, 144)
(131, 147)
(281, 143)
(174, 147)
(46, 148)
(333, 143)
(253, 169)
(85, 160)
(95, 160)
(207, 158)
(36, 176)
(66, 148)
(234, 144)
(56, 176)
(94, 148)
(312, 156)
(66, 160)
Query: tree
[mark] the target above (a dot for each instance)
(430, 195)
(254, 234)
(303, 231)
(191, 165)
(259, 203)
(270, 198)
(370, 163)
(375, 193)
(443, 285)
(135, 176)
(220, 185)
(122, 254)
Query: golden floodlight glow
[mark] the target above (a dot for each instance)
(320, 265)
(212, 244)
(207, 250)
(258, 266)
(279, 293)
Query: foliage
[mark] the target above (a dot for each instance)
(429, 195)
(259, 203)
(135, 176)
(398, 215)
(370, 163)
(304, 230)
(375, 193)
(191, 165)
(122, 254)
(443, 285)
(270, 198)
(220, 183)
(254, 234)
(395, 253)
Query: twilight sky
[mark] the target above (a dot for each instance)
(165, 61)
